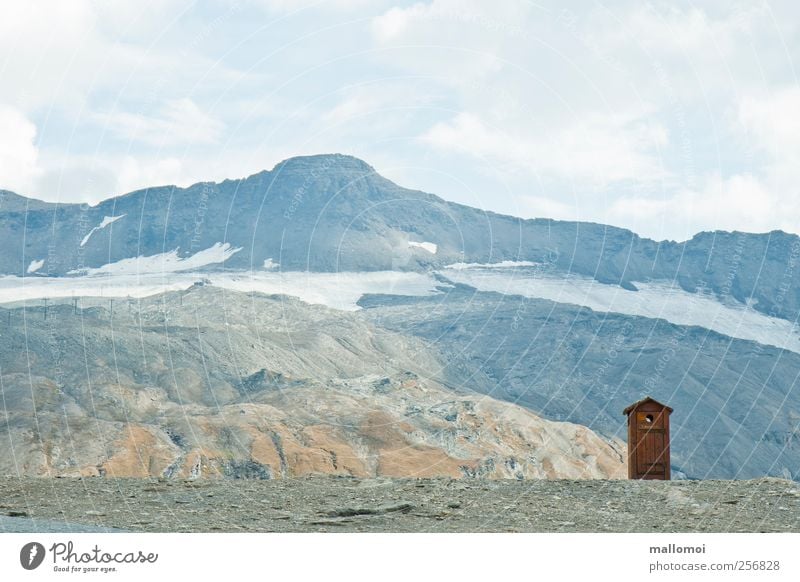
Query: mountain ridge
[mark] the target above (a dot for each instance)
(333, 212)
(358, 163)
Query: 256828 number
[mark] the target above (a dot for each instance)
(746, 565)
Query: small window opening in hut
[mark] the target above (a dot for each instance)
(649, 418)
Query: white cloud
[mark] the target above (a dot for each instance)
(669, 28)
(283, 6)
(135, 173)
(127, 18)
(396, 21)
(773, 123)
(355, 105)
(57, 53)
(39, 42)
(579, 112)
(740, 202)
(475, 21)
(586, 113)
(597, 148)
(18, 152)
(454, 40)
(544, 207)
(771, 126)
(385, 107)
(95, 178)
(694, 58)
(179, 121)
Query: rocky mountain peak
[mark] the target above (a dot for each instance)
(324, 163)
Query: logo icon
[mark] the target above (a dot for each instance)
(31, 555)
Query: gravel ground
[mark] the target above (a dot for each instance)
(338, 504)
(29, 525)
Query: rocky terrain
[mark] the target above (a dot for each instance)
(210, 382)
(336, 213)
(737, 403)
(346, 504)
(214, 383)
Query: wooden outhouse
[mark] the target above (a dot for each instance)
(648, 439)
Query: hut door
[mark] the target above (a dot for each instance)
(650, 443)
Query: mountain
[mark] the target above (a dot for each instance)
(335, 213)
(208, 382)
(571, 321)
(737, 402)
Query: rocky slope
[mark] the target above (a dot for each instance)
(212, 383)
(737, 403)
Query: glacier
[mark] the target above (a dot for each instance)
(654, 299)
(145, 276)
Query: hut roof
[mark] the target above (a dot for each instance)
(638, 403)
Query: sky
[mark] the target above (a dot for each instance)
(667, 118)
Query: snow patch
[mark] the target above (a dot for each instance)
(337, 290)
(35, 266)
(426, 246)
(105, 222)
(657, 300)
(499, 265)
(14, 289)
(168, 262)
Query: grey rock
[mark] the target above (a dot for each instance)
(335, 213)
(735, 414)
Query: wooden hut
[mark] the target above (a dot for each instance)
(648, 439)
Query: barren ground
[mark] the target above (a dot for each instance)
(400, 505)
